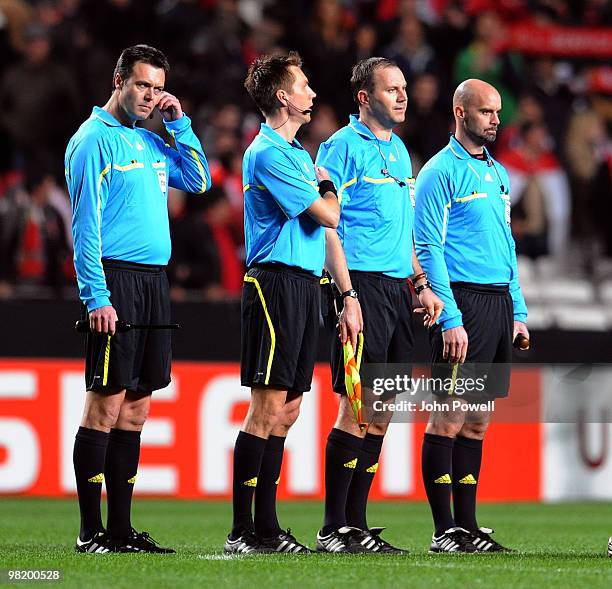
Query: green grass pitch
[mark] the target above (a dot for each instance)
(560, 546)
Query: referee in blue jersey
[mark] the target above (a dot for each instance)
(287, 205)
(464, 242)
(118, 176)
(372, 169)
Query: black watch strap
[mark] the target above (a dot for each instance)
(351, 292)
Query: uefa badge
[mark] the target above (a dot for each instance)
(508, 206)
(161, 178)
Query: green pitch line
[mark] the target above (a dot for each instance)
(561, 546)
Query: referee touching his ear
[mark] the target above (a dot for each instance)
(118, 176)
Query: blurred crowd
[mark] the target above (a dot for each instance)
(58, 58)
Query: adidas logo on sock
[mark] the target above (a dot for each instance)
(468, 480)
(251, 482)
(351, 463)
(132, 480)
(97, 479)
(372, 468)
(445, 479)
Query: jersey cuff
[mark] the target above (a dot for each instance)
(452, 322)
(97, 303)
(522, 317)
(178, 125)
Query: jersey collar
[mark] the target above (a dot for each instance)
(463, 154)
(105, 117)
(270, 134)
(363, 130)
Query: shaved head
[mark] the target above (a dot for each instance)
(473, 90)
(476, 106)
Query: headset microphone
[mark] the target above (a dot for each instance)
(303, 112)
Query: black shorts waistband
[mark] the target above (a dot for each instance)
(494, 289)
(132, 266)
(290, 270)
(377, 276)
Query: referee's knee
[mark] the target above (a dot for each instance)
(100, 417)
(448, 429)
(475, 431)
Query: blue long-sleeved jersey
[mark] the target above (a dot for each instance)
(462, 227)
(118, 180)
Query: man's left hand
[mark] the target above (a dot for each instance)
(169, 107)
(432, 307)
(350, 322)
(520, 327)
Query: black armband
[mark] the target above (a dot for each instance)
(327, 186)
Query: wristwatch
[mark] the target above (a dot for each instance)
(351, 292)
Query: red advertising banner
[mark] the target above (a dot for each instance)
(189, 437)
(560, 41)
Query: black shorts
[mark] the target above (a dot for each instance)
(139, 359)
(488, 319)
(386, 306)
(280, 327)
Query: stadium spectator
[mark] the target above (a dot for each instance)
(205, 256)
(39, 101)
(548, 82)
(43, 252)
(588, 149)
(483, 59)
(426, 128)
(325, 45)
(529, 110)
(410, 49)
(535, 172)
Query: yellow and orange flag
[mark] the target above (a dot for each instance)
(352, 380)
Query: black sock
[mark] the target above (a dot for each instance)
(248, 454)
(341, 458)
(266, 522)
(120, 473)
(436, 464)
(467, 456)
(367, 465)
(88, 458)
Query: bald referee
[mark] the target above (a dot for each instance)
(464, 243)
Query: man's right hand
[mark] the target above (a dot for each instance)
(103, 319)
(455, 344)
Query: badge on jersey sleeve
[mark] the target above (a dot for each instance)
(508, 207)
(412, 191)
(161, 178)
(160, 170)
